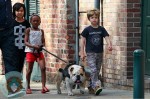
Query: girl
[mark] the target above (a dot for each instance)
(20, 24)
(34, 39)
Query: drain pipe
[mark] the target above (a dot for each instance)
(77, 32)
(97, 6)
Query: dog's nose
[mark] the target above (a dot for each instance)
(78, 77)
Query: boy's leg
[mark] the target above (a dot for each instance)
(99, 60)
(91, 59)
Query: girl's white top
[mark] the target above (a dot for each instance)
(35, 38)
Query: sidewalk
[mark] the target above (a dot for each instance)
(105, 94)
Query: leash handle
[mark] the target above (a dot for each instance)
(54, 55)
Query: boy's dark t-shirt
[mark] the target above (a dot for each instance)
(19, 32)
(94, 38)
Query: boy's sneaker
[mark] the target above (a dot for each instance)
(97, 90)
(91, 90)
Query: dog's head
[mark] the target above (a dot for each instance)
(77, 73)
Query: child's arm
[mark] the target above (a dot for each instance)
(109, 43)
(26, 38)
(83, 43)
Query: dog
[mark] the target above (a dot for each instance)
(72, 75)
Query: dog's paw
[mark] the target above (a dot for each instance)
(59, 92)
(70, 94)
(81, 91)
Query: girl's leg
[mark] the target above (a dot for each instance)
(41, 62)
(28, 74)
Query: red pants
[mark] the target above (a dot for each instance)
(31, 57)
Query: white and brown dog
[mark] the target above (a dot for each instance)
(72, 75)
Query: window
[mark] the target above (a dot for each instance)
(32, 6)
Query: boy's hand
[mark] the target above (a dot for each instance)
(83, 56)
(110, 48)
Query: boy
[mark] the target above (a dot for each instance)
(92, 47)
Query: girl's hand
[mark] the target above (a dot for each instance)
(36, 47)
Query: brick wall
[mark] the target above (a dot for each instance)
(122, 20)
(133, 32)
(58, 21)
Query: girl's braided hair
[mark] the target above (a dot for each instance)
(34, 14)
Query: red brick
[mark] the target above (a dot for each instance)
(133, 1)
(133, 10)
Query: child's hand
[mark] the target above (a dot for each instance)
(36, 47)
(83, 56)
(110, 48)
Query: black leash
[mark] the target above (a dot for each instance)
(54, 55)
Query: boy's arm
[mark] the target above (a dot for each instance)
(83, 43)
(109, 43)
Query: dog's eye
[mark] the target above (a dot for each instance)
(81, 74)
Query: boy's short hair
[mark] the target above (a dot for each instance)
(93, 12)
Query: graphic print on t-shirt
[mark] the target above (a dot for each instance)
(19, 32)
(95, 39)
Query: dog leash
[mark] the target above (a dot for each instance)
(54, 55)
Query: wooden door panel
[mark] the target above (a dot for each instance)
(146, 33)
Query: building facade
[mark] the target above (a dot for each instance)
(126, 21)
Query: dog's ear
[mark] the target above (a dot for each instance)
(83, 68)
(71, 69)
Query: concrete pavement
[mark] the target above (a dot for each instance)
(105, 94)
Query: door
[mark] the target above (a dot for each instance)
(32, 6)
(146, 33)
